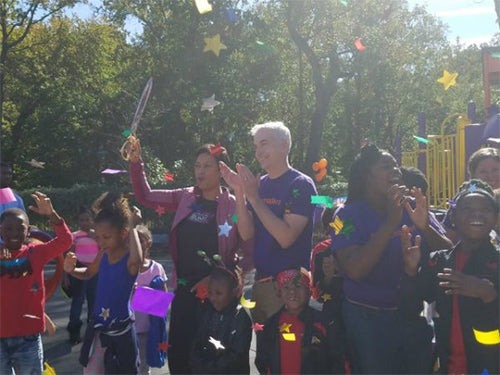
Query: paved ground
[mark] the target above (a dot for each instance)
(63, 357)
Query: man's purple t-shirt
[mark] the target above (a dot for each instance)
(290, 193)
(360, 222)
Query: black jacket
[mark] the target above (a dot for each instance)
(321, 348)
(474, 314)
(233, 328)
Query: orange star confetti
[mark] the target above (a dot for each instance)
(359, 46)
(258, 327)
(169, 177)
(163, 346)
(160, 210)
(326, 297)
(202, 292)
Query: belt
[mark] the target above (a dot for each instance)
(395, 308)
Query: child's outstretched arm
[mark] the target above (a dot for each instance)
(63, 239)
(82, 273)
(136, 257)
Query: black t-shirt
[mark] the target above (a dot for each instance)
(198, 231)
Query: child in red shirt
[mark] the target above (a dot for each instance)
(298, 339)
(22, 294)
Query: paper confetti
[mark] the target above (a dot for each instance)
(203, 6)
(216, 150)
(422, 140)
(326, 297)
(48, 370)
(258, 327)
(127, 133)
(315, 340)
(337, 225)
(209, 104)
(151, 301)
(104, 313)
(201, 292)
(234, 218)
(182, 282)
(224, 229)
(487, 338)
(285, 327)
(113, 171)
(36, 164)
(322, 199)
(160, 210)
(215, 343)
(295, 193)
(448, 79)
(169, 177)
(320, 167)
(359, 46)
(163, 346)
(214, 44)
(347, 228)
(289, 336)
(232, 16)
(343, 2)
(247, 303)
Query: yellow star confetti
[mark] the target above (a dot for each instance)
(285, 327)
(326, 297)
(448, 79)
(203, 6)
(247, 303)
(337, 225)
(289, 336)
(214, 44)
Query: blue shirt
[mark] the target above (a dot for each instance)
(114, 288)
(289, 193)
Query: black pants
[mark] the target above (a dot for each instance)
(185, 313)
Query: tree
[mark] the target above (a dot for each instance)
(17, 17)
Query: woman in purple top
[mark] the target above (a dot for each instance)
(366, 243)
(204, 221)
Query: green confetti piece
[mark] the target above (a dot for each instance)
(495, 54)
(182, 282)
(217, 257)
(422, 140)
(343, 2)
(295, 193)
(322, 199)
(234, 218)
(347, 228)
(127, 133)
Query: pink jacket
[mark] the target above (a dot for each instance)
(180, 202)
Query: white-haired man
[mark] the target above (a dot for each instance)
(278, 216)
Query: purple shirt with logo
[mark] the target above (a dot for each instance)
(290, 193)
(380, 287)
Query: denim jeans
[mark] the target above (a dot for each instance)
(21, 355)
(81, 289)
(374, 339)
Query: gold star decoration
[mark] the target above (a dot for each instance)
(104, 313)
(326, 297)
(448, 79)
(285, 327)
(337, 225)
(214, 44)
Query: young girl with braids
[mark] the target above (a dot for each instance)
(110, 343)
(464, 282)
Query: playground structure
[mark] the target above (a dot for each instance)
(444, 159)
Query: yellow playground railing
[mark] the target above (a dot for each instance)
(444, 160)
